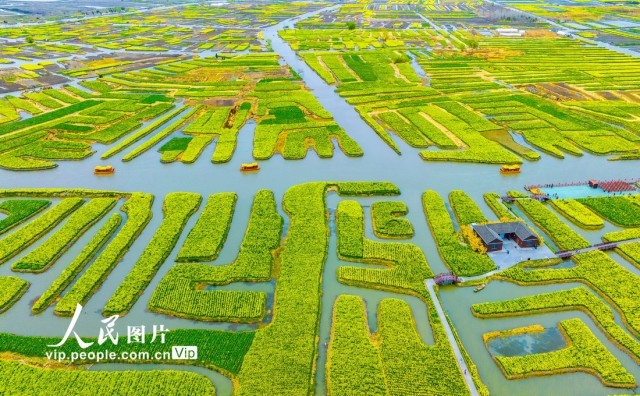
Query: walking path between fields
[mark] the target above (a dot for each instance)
(430, 283)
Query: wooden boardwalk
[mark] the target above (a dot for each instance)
(600, 246)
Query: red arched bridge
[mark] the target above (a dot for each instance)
(447, 278)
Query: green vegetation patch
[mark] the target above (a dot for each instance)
(406, 267)
(353, 365)
(206, 238)
(579, 298)
(577, 213)
(176, 144)
(388, 222)
(181, 292)
(11, 289)
(178, 208)
(404, 355)
(24, 237)
(138, 210)
(558, 231)
(465, 209)
(460, 258)
(288, 346)
(19, 210)
(79, 262)
(597, 270)
(18, 378)
(584, 353)
(618, 210)
(47, 253)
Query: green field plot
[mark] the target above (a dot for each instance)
(138, 213)
(618, 210)
(552, 225)
(206, 238)
(566, 300)
(138, 108)
(25, 236)
(459, 257)
(290, 120)
(339, 39)
(563, 109)
(388, 222)
(177, 208)
(578, 213)
(68, 132)
(12, 289)
(18, 211)
(78, 264)
(296, 312)
(353, 351)
(296, 124)
(155, 32)
(484, 93)
(30, 378)
(584, 353)
(407, 266)
(181, 293)
(389, 95)
(48, 252)
(387, 362)
(597, 270)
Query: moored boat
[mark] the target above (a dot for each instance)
(250, 167)
(104, 170)
(510, 169)
(480, 287)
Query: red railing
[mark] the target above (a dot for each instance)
(581, 183)
(598, 246)
(447, 278)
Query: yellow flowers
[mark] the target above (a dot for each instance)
(138, 210)
(32, 379)
(388, 221)
(26, 236)
(465, 209)
(618, 210)
(577, 213)
(179, 293)
(206, 238)
(41, 258)
(459, 258)
(583, 353)
(31, 66)
(178, 208)
(560, 233)
(11, 289)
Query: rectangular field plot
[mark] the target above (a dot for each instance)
(206, 101)
(468, 97)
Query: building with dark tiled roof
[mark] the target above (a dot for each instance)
(494, 234)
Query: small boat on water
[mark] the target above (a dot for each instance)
(249, 167)
(104, 170)
(536, 191)
(510, 169)
(480, 287)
